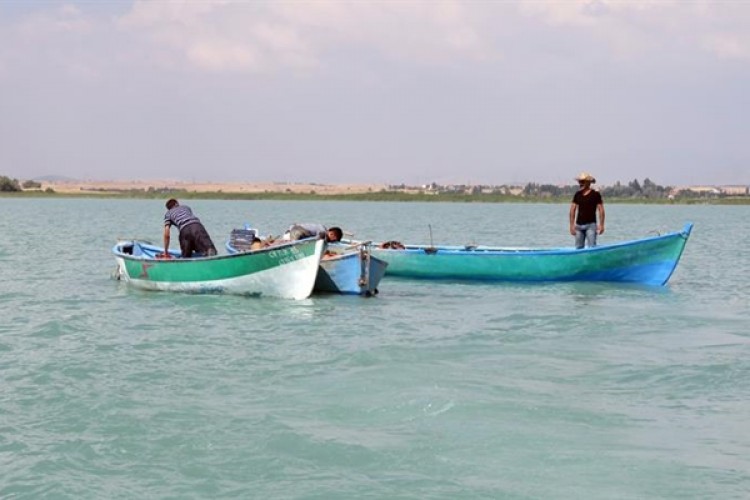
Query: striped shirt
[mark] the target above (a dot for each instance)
(180, 216)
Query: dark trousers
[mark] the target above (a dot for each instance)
(195, 239)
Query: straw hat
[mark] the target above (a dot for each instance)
(585, 176)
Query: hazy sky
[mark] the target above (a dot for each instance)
(323, 91)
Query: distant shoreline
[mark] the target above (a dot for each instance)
(380, 196)
(166, 185)
(164, 189)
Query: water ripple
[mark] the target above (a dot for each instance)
(429, 390)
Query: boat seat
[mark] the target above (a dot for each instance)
(137, 249)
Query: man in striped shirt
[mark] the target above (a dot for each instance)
(193, 236)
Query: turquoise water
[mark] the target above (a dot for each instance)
(429, 390)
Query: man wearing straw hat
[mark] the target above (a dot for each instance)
(587, 204)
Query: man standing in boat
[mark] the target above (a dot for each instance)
(587, 204)
(193, 236)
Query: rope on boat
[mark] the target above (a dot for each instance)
(139, 240)
(356, 244)
(364, 276)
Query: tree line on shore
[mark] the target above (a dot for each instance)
(8, 185)
(633, 189)
(636, 190)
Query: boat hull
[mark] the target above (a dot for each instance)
(648, 261)
(286, 271)
(352, 273)
(345, 270)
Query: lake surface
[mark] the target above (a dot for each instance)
(429, 390)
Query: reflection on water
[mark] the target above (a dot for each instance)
(584, 292)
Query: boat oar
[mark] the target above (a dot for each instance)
(431, 249)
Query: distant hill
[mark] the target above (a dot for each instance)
(54, 178)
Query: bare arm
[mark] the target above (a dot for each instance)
(167, 227)
(600, 210)
(572, 217)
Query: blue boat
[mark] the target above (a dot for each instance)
(350, 270)
(649, 261)
(344, 268)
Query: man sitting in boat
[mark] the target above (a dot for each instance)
(194, 238)
(311, 230)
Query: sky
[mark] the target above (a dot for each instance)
(453, 92)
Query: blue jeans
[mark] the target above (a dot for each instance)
(587, 232)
